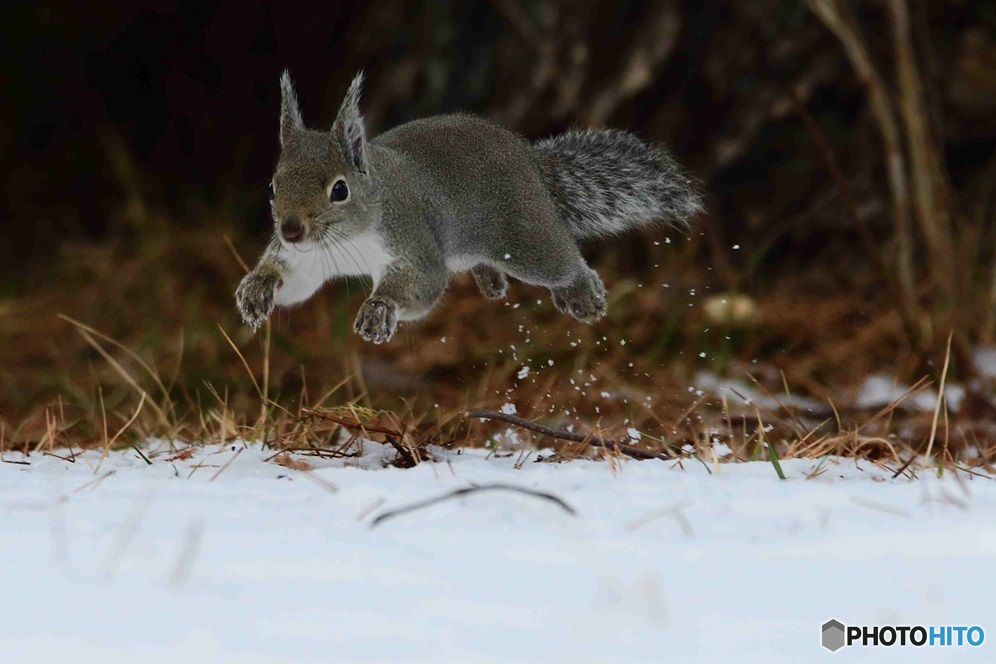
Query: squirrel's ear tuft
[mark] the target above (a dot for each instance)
(348, 130)
(290, 114)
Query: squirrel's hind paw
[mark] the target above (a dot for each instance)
(584, 298)
(493, 283)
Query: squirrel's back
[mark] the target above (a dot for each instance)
(481, 183)
(599, 182)
(467, 155)
(457, 141)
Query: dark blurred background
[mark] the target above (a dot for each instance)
(188, 90)
(129, 125)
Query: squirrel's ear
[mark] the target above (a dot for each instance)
(290, 114)
(348, 130)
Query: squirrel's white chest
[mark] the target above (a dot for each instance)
(363, 254)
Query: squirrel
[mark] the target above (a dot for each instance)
(445, 194)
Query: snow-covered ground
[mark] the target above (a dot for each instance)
(255, 562)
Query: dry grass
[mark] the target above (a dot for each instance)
(145, 343)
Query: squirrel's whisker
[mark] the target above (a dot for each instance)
(343, 239)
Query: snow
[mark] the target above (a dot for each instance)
(984, 359)
(225, 557)
(879, 391)
(741, 392)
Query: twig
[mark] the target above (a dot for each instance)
(321, 481)
(139, 452)
(822, 144)
(519, 21)
(467, 490)
(235, 253)
(408, 455)
(265, 389)
(245, 364)
(925, 170)
(903, 467)
(227, 464)
(572, 436)
(95, 481)
(333, 415)
(650, 46)
(940, 399)
(840, 20)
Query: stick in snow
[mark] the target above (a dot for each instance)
(572, 436)
(472, 489)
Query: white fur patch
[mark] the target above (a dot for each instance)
(462, 263)
(311, 267)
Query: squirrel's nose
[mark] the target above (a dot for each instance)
(292, 229)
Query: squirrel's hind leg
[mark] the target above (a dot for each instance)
(492, 282)
(583, 298)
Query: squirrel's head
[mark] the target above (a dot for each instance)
(321, 191)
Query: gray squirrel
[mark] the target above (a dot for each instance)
(450, 193)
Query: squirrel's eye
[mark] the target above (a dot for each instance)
(339, 192)
(271, 191)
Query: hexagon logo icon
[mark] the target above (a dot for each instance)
(833, 635)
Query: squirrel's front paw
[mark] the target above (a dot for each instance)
(254, 297)
(377, 320)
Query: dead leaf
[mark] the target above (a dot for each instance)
(287, 461)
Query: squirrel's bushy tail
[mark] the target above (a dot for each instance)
(608, 181)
